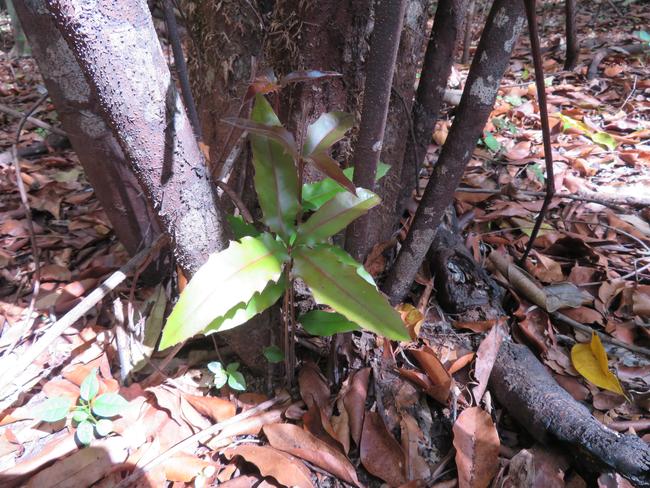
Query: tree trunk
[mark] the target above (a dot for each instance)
(502, 29)
(78, 109)
(118, 50)
(572, 45)
(438, 61)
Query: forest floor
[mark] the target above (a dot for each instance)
(410, 414)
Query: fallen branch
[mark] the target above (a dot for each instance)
(201, 436)
(530, 394)
(603, 53)
(32, 120)
(13, 366)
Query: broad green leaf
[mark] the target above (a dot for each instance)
(85, 433)
(345, 258)
(220, 375)
(79, 415)
(243, 312)
(335, 215)
(109, 404)
(514, 100)
(273, 354)
(53, 409)
(276, 178)
(271, 131)
(329, 167)
(236, 381)
(89, 386)
(232, 367)
(228, 278)
(314, 195)
(240, 228)
(604, 139)
(590, 360)
(321, 323)
(339, 286)
(328, 129)
(104, 427)
(490, 142)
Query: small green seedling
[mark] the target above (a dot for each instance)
(229, 375)
(92, 413)
(273, 354)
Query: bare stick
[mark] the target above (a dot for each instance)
(198, 437)
(546, 131)
(17, 365)
(32, 120)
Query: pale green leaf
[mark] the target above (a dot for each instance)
(89, 386)
(339, 286)
(335, 215)
(232, 367)
(604, 139)
(490, 142)
(109, 404)
(243, 312)
(85, 433)
(345, 258)
(236, 381)
(240, 228)
(326, 130)
(276, 178)
(79, 415)
(229, 278)
(321, 323)
(104, 427)
(53, 409)
(220, 375)
(273, 354)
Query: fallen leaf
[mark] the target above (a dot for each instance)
(380, 453)
(313, 387)
(216, 408)
(185, 467)
(298, 442)
(416, 467)
(590, 360)
(485, 358)
(461, 362)
(285, 468)
(477, 448)
(354, 393)
(537, 467)
(478, 326)
(437, 373)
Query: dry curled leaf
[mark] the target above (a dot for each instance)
(477, 448)
(380, 453)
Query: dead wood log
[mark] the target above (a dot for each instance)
(530, 394)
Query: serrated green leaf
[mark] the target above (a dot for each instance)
(328, 129)
(236, 381)
(490, 142)
(323, 324)
(273, 354)
(276, 178)
(335, 215)
(104, 427)
(243, 312)
(89, 386)
(604, 139)
(229, 278)
(85, 433)
(240, 228)
(109, 404)
(53, 409)
(314, 195)
(79, 415)
(339, 286)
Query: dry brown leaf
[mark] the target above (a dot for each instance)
(461, 362)
(341, 426)
(285, 468)
(437, 373)
(416, 467)
(185, 467)
(537, 467)
(313, 387)
(478, 326)
(319, 425)
(354, 393)
(477, 448)
(380, 453)
(485, 357)
(218, 409)
(292, 439)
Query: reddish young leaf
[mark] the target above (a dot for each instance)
(380, 453)
(477, 448)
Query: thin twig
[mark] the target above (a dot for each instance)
(32, 120)
(239, 203)
(16, 365)
(198, 437)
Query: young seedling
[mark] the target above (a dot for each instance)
(91, 414)
(229, 375)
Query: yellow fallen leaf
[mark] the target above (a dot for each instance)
(412, 318)
(590, 360)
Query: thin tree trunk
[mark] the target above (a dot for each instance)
(467, 41)
(438, 61)
(78, 109)
(502, 29)
(117, 48)
(572, 45)
(389, 17)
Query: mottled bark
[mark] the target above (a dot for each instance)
(389, 17)
(117, 48)
(78, 110)
(467, 41)
(530, 394)
(438, 61)
(502, 29)
(572, 45)
(398, 133)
